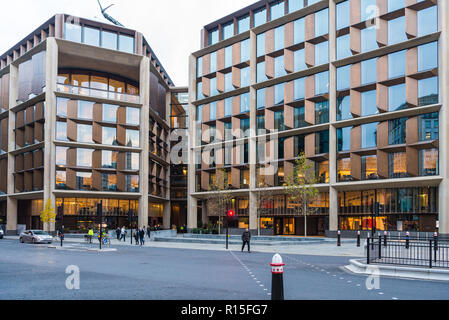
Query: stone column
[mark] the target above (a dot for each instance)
(166, 216)
(443, 8)
(144, 140)
(192, 202)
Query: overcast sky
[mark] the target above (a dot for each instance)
(171, 27)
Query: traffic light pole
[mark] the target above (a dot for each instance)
(227, 233)
(100, 215)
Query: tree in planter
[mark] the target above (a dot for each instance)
(300, 189)
(264, 200)
(48, 215)
(220, 196)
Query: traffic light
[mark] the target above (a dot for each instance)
(59, 213)
(99, 209)
(231, 213)
(378, 209)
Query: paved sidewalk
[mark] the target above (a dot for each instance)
(329, 248)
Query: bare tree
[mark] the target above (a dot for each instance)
(220, 197)
(300, 189)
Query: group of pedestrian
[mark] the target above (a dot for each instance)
(139, 236)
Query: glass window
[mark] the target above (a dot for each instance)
(396, 64)
(80, 80)
(279, 38)
(84, 157)
(108, 159)
(228, 30)
(260, 17)
(132, 138)
(244, 77)
(299, 60)
(299, 89)
(199, 91)
(213, 111)
(369, 103)
(322, 142)
(396, 131)
(261, 72)
(84, 181)
(277, 10)
(61, 156)
(396, 30)
(228, 107)
(343, 20)
(108, 182)
(72, 32)
(260, 123)
(344, 139)
(321, 22)
(61, 107)
(261, 98)
(369, 167)
(199, 65)
(344, 170)
(260, 44)
(110, 113)
(245, 50)
(321, 53)
(244, 102)
(344, 46)
(299, 117)
(213, 36)
(344, 108)
(396, 97)
(428, 162)
(397, 165)
(369, 71)
(132, 183)
(109, 40)
(228, 82)
(428, 56)
(294, 5)
(427, 21)
(91, 36)
(213, 87)
(321, 112)
(321, 83)
(85, 110)
(428, 91)
(243, 24)
(99, 82)
(244, 126)
(132, 116)
(279, 93)
(299, 30)
(428, 126)
(368, 39)
(279, 121)
(132, 161)
(126, 43)
(109, 136)
(61, 180)
(61, 131)
(279, 69)
(369, 135)
(228, 57)
(84, 133)
(368, 9)
(344, 78)
(213, 62)
(394, 5)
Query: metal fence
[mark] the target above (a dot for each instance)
(430, 253)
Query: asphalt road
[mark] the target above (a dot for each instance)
(37, 272)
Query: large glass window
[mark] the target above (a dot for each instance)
(344, 170)
(228, 82)
(369, 103)
(199, 66)
(343, 20)
(279, 94)
(428, 162)
(369, 71)
(110, 113)
(109, 40)
(368, 9)
(199, 91)
(279, 121)
(321, 53)
(84, 158)
(261, 98)
(126, 43)
(344, 139)
(260, 17)
(61, 180)
(61, 156)
(299, 32)
(91, 36)
(213, 87)
(228, 30)
(244, 102)
(132, 183)
(396, 131)
(279, 69)
(72, 32)
(132, 138)
(85, 109)
(322, 142)
(344, 108)
(261, 72)
(321, 112)
(299, 117)
(396, 97)
(344, 78)
(394, 5)
(213, 111)
(108, 182)
(228, 107)
(368, 39)
(243, 24)
(299, 89)
(84, 133)
(108, 159)
(428, 126)
(277, 10)
(322, 83)
(244, 77)
(132, 161)
(109, 136)
(132, 116)
(261, 44)
(294, 5)
(397, 165)
(279, 38)
(61, 131)
(369, 135)
(61, 107)
(321, 22)
(396, 30)
(228, 57)
(344, 46)
(299, 60)
(84, 181)
(396, 64)
(245, 50)
(213, 36)
(428, 91)
(428, 56)
(427, 21)
(213, 62)
(369, 167)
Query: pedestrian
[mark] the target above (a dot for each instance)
(142, 236)
(118, 232)
(246, 238)
(90, 234)
(136, 236)
(123, 234)
(148, 232)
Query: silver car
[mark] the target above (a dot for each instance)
(1, 233)
(35, 236)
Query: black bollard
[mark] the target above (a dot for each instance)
(358, 238)
(435, 239)
(277, 280)
(407, 240)
(61, 236)
(385, 238)
(339, 238)
(380, 246)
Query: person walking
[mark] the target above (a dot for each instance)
(136, 236)
(118, 232)
(142, 236)
(123, 234)
(148, 232)
(90, 234)
(246, 238)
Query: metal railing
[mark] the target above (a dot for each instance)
(125, 97)
(429, 253)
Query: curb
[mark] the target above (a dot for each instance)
(357, 267)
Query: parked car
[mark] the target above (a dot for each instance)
(35, 236)
(1, 233)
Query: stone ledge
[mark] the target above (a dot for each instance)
(436, 274)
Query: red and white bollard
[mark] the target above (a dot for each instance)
(277, 279)
(358, 238)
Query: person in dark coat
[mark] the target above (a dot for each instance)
(118, 232)
(136, 236)
(148, 232)
(246, 238)
(142, 236)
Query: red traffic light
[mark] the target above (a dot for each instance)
(231, 213)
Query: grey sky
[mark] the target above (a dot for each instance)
(172, 27)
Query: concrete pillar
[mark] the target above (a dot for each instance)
(443, 7)
(49, 127)
(144, 141)
(11, 204)
(166, 216)
(333, 203)
(192, 202)
(253, 224)
(204, 214)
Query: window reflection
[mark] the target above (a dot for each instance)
(61, 131)
(428, 162)
(109, 136)
(84, 157)
(110, 113)
(61, 155)
(344, 170)
(132, 116)
(85, 109)
(84, 181)
(398, 165)
(369, 167)
(84, 133)
(109, 159)
(132, 138)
